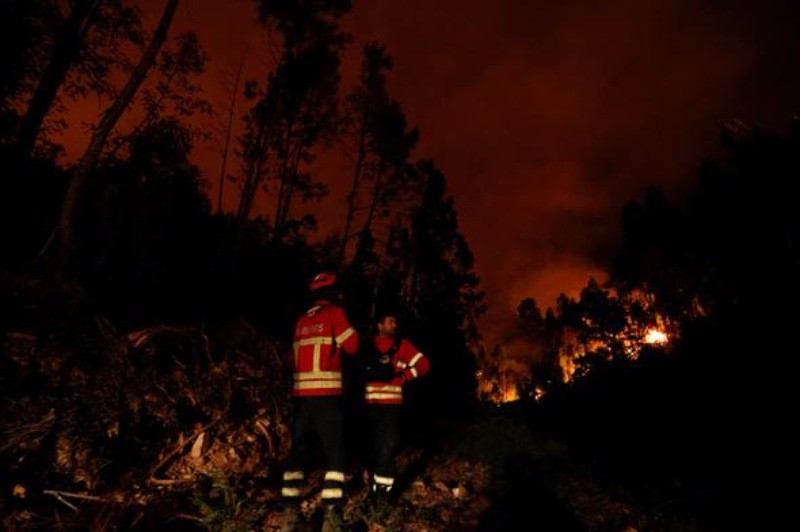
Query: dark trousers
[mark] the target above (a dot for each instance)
(320, 415)
(384, 421)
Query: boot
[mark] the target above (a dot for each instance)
(290, 519)
(379, 493)
(332, 521)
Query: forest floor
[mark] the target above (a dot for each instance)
(185, 428)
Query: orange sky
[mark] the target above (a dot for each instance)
(546, 116)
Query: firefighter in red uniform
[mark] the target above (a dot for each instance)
(321, 334)
(392, 362)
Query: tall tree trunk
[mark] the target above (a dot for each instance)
(65, 51)
(289, 192)
(255, 170)
(376, 285)
(284, 180)
(373, 204)
(146, 121)
(353, 195)
(107, 123)
(252, 175)
(231, 113)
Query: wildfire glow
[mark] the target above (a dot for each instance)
(504, 379)
(498, 389)
(510, 394)
(538, 393)
(656, 337)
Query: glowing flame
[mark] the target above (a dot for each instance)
(538, 393)
(656, 337)
(632, 341)
(498, 389)
(510, 394)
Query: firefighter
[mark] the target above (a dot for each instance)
(392, 362)
(322, 333)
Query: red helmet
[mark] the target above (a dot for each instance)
(322, 280)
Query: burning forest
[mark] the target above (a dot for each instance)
(253, 259)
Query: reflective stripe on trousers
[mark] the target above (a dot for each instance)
(293, 481)
(333, 486)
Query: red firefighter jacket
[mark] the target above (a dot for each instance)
(320, 336)
(409, 364)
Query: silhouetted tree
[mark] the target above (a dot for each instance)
(382, 174)
(84, 49)
(718, 267)
(104, 128)
(24, 26)
(443, 294)
(224, 133)
(543, 336)
(298, 107)
(530, 318)
(174, 93)
(143, 233)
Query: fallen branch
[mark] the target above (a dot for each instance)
(171, 481)
(263, 428)
(15, 436)
(73, 495)
(61, 499)
(189, 517)
(179, 448)
(101, 526)
(207, 346)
